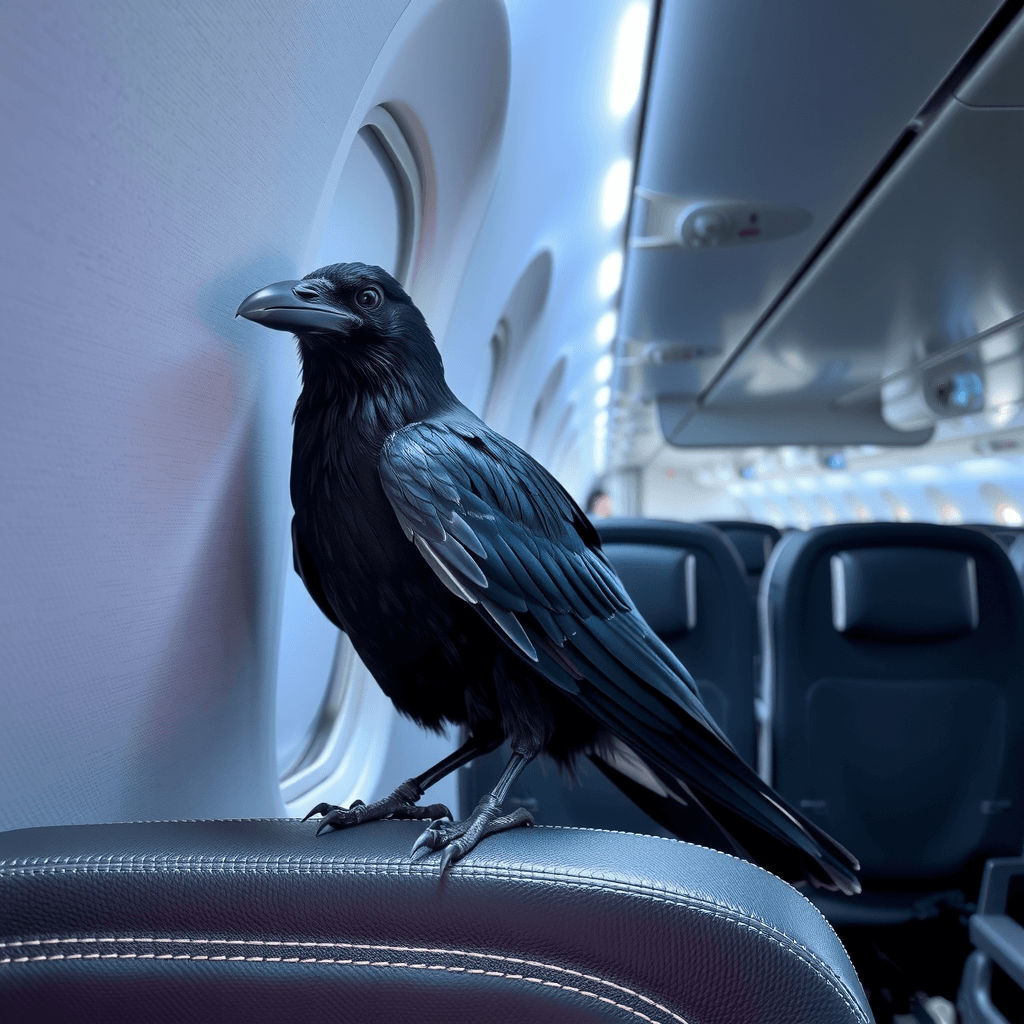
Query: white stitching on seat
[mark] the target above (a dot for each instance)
(829, 982)
(631, 889)
(345, 962)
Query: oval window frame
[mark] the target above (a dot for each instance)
(352, 703)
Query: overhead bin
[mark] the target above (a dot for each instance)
(915, 307)
(711, 143)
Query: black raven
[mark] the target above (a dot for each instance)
(474, 589)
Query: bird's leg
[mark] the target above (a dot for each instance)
(402, 802)
(456, 838)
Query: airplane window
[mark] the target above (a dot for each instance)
(518, 320)
(376, 208)
(373, 217)
(499, 347)
(544, 400)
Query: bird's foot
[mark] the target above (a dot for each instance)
(400, 804)
(456, 838)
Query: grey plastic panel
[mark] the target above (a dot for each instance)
(974, 1000)
(999, 80)
(1002, 939)
(780, 103)
(931, 259)
(999, 938)
(771, 422)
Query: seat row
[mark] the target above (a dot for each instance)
(876, 680)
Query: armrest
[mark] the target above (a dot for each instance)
(1002, 939)
(998, 938)
(263, 921)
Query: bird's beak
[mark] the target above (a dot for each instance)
(281, 308)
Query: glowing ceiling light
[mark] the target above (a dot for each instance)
(628, 72)
(876, 477)
(601, 420)
(607, 326)
(602, 396)
(603, 368)
(609, 275)
(1002, 415)
(1008, 515)
(985, 467)
(923, 474)
(615, 192)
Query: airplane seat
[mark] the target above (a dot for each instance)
(753, 541)
(894, 682)
(1015, 552)
(688, 582)
(1006, 535)
(255, 921)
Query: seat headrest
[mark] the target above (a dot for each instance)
(910, 592)
(662, 582)
(753, 546)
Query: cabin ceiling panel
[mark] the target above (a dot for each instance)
(782, 103)
(931, 260)
(999, 81)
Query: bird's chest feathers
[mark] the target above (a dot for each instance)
(369, 567)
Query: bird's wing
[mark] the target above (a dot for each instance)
(501, 533)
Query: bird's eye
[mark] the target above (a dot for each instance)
(369, 298)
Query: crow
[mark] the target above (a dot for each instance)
(474, 589)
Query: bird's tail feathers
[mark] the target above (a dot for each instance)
(665, 799)
(736, 813)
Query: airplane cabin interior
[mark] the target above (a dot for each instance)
(746, 277)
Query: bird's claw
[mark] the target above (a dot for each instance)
(341, 817)
(447, 856)
(424, 844)
(456, 838)
(320, 808)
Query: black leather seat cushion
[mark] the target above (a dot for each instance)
(262, 921)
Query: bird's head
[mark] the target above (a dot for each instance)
(349, 318)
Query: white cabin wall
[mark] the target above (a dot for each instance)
(161, 161)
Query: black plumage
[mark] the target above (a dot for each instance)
(474, 589)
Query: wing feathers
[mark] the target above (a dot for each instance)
(502, 534)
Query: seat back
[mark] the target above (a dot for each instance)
(894, 681)
(1006, 535)
(753, 541)
(263, 921)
